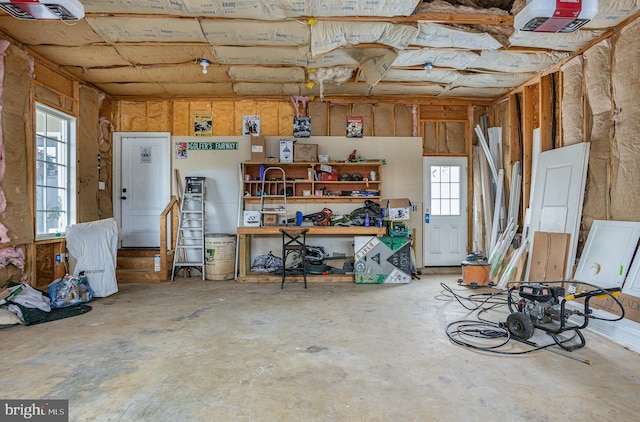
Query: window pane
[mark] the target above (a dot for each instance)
(455, 207)
(55, 128)
(455, 174)
(455, 190)
(446, 210)
(435, 207)
(435, 190)
(445, 174)
(444, 190)
(435, 174)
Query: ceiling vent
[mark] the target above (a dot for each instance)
(560, 16)
(66, 10)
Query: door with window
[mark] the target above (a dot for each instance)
(445, 218)
(143, 187)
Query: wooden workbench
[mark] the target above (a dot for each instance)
(244, 248)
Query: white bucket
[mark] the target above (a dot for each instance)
(219, 256)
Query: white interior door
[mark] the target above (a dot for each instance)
(556, 207)
(144, 186)
(607, 255)
(445, 201)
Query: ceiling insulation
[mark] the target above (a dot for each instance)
(140, 48)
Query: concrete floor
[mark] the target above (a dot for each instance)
(222, 351)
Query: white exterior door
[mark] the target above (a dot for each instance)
(144, 186)
(445, 218)
(558, 195)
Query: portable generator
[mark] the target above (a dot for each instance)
(543, 306)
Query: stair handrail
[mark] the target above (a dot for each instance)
(172, 207)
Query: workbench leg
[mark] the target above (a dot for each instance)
(244, 254)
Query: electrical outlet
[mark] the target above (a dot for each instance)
(101, 186)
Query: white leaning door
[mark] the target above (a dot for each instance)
(445, 201)
(144, 186)
(556, 206)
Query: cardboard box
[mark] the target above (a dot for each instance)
(631, 304)
(549, 256)
(251, 218)
(271, 160)
(286, 151)
(305, 152)
(397, 208)
(258, 148)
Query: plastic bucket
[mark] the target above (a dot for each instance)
(219, 256)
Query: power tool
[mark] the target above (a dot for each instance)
(543, 306)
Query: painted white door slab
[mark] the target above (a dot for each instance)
(145, 188)
(608, 252)
(445, 201)
(560, 181)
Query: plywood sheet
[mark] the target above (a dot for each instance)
(44, 32)
(88, 55)
(222, 123)
(268, 112)
(572, 102)
(255, 33)
(266, 74)
(442, 36)
(182, 121)
(285, 119)
(147, 29)
(154, 54)
(454, 59)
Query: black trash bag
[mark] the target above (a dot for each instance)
(358, 216)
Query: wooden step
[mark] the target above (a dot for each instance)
(138, 265)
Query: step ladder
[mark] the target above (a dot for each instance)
(189, 251)
(273, 196)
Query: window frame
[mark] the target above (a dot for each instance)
(70, 164)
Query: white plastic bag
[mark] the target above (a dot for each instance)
(94, 245)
